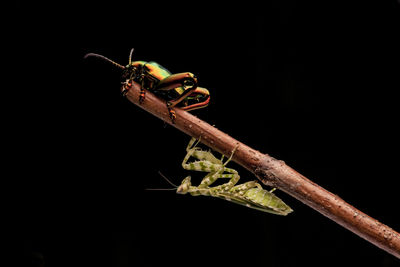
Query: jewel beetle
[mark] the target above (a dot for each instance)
(179, 90)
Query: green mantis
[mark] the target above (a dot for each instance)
(250, 194)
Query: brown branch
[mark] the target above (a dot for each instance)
(276, 173)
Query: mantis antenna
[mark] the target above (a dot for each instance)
(164, 189)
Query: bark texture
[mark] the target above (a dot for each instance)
(276, 173)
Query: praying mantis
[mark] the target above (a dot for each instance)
(250, 194)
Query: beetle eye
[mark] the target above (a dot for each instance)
(129, 72)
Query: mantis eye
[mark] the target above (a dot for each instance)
(184, 187)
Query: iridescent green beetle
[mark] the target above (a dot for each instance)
(178, 89)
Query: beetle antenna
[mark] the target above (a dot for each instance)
(104, 58)
(130, 56)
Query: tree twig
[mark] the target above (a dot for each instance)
(276, 173)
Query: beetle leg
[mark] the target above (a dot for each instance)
(146, 83)
(142, 93)
(203, 102)
(172, 114)
(125, 87)
(186, 82)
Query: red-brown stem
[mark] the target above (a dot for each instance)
(276, 173)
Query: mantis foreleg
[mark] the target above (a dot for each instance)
(209, 163)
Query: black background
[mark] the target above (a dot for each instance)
(312, 83)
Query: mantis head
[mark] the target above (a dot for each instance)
(185, 186)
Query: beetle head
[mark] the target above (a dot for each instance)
(133, 69)
(130, 72)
